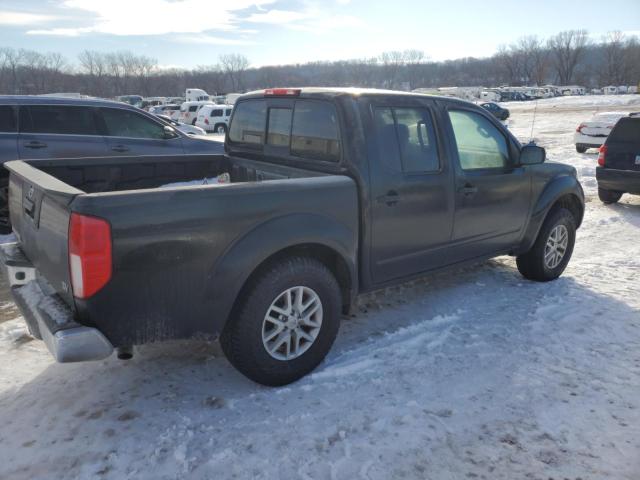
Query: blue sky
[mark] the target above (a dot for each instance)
(188, 33)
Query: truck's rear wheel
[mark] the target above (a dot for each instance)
(285, 323)
(608, 196)
(221, 128)
(552, 250)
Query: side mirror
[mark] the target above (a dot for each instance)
(532, 155)
(169, 133)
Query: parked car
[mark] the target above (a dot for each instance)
(496, 110)
(618, 169)
(45, 128)
(183, 127)
(164, 109)
(327, 193)
(214, 118)
(593, 133)
(490, 96)
(189, 111)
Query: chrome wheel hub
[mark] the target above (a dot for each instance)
(556, 246)
(292, 323)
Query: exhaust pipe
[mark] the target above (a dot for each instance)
(125, 353)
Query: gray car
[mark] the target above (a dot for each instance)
(33, 127)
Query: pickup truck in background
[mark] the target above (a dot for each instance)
(329, 193)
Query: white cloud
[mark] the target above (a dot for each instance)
(205, 39)
(277, 17)
(154, 17)
(23, 18)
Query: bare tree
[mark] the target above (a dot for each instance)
(392, 63)
(414, 61)
(11, 60)
(535, 59)
(234, 65)
(614, 65)
(567, 49)
(509, 58)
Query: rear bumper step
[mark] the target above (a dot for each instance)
(48, 317)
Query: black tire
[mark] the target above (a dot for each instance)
(532, 264)
(581, 148)
(5, 222)
(220, 126)
(193, 122)
(241, 339)
(608, 196)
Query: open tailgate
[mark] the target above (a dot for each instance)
(40, 211)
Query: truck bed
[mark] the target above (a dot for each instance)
(179, 253)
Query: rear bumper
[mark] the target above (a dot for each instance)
(588, 140)
(47, 316)
(626, 181)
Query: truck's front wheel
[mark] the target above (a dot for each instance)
(285, 322)
(552, 250)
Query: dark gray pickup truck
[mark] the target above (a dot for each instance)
(327, 193)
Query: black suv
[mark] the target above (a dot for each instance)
(618, 168)
(33, 127)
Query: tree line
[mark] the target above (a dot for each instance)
(570, 57)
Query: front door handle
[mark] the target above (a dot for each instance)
(120, 148)
(391, 198)
(35, 144)
(468, 190)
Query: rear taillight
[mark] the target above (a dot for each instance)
(602, 155)
(206, 120)
(89, 254)
(580, 127)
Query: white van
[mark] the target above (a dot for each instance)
(197, 95)
(214, 118)
(610, 90)
(189, 111)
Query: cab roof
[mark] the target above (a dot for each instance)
(331, 92)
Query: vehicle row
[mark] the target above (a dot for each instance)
(34, 127)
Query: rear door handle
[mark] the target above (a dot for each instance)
(120, 148)
(468, 190)
(391, 198)
(35, 144)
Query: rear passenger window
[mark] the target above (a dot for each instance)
(406, 139)
(193, 108)
(57, 119)
(387, 139)
(627, 130)
(125, 123)
(249, 122)
(227, 112)
(315, 131)
(216, 113)
(7, 119)
(417, 140)
(279, 126)
(480, 144)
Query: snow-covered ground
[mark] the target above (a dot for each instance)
(474, 373)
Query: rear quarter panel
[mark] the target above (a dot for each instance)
(182, 255)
